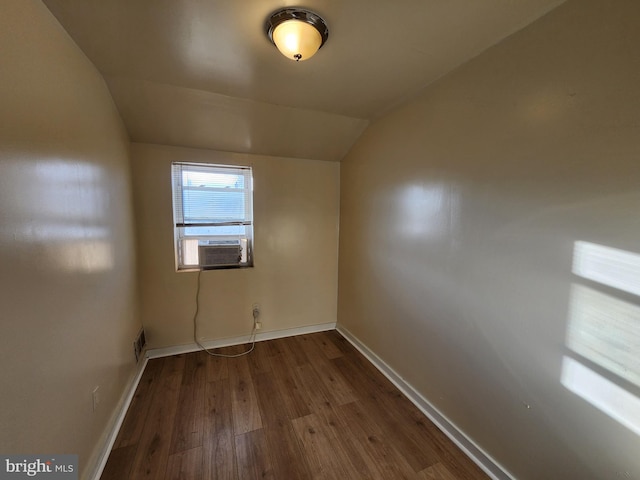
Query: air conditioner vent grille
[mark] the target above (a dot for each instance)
(220, 255)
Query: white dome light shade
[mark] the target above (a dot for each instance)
(297, 33)
(297, 40)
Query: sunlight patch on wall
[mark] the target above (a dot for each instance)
(602, 393)
(606, 330)
(609, 266)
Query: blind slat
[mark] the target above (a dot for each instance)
(211, 224)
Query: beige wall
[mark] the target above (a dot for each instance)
(460, 217)
(296, 206)
(67, 283)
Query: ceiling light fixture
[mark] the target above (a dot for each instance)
(298, 33)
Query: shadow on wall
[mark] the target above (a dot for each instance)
(602, 363)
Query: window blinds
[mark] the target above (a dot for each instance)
(211, 195)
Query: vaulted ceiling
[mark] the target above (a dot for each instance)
(202, 73)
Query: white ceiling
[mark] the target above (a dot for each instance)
(202, 73)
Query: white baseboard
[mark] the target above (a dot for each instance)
(227, 342)
(100, 459)
(468, 446)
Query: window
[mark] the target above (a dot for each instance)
(213, 216)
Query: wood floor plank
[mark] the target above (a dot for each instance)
(273, 410)
(339, 388)
(301, 408)
(286, 455)
(437, 472)
(244, 404)
(326, 460)
(461, 466)
(188, 426)
(137, 413)
(339, 341)
(217, 368)
(174, 364)
(220, 457)
(320, 398)
(375, 446)
(295, 398)
(252, 456)
(185, 465)
(326, 345)
(288, 460)
(259, 359)
(307, 344)
(153, 449)
(218, 415)
(294, 351)
(380, 397)
(344, 440)
(119, 463)
(275, 347)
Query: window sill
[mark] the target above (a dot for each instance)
(221, 267)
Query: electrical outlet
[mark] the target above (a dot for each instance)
(256, 316)
(95, 395)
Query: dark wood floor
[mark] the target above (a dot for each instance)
(307, 407)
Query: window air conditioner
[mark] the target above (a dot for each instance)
(220, 254)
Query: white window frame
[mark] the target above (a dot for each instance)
(205, 251)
